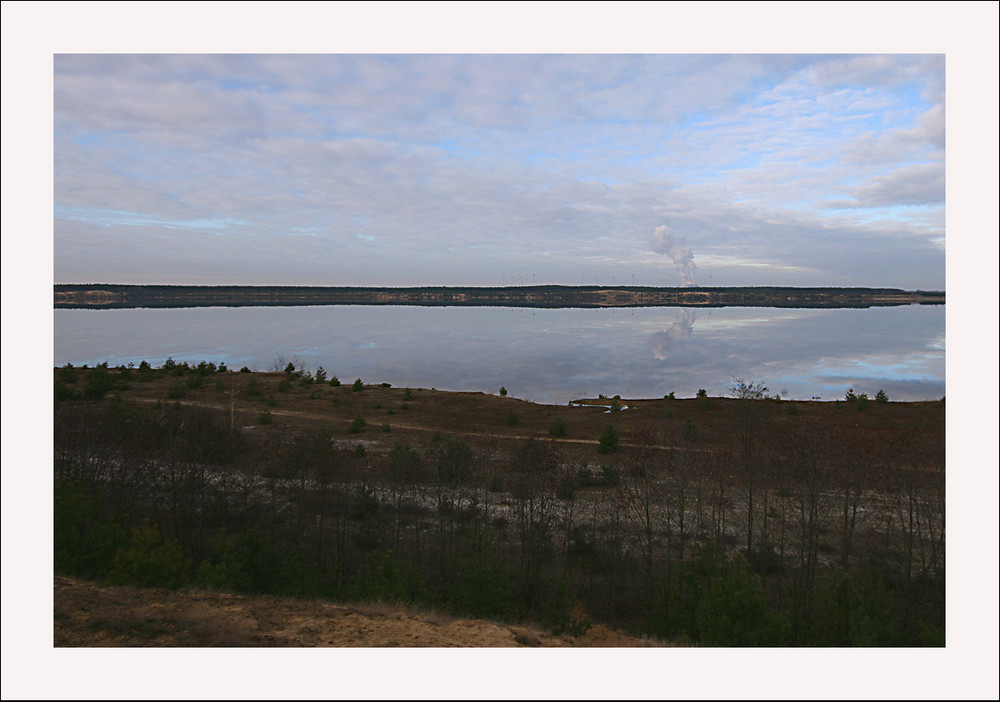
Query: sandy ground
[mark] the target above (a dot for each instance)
(88, 615)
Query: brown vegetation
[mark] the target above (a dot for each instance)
(717, 521)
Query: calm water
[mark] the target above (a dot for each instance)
(550, 356)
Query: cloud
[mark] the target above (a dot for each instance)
(921, 184)
(925, 140)
(882, 71)
(930, 128)
(520, 164)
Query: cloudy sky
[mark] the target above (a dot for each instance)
(500, 169)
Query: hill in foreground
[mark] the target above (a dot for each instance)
(90, 615)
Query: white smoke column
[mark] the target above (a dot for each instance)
(666, 342)
(674, 246)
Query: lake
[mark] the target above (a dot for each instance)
(549, 356)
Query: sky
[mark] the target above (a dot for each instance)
(500, 169)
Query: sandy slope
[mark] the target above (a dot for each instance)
(88, 615)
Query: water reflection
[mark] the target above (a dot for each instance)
(540, 354)
(679, 332)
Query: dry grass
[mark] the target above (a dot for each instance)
(421, 416)
(88, 615)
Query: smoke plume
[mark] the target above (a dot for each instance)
(674, 246)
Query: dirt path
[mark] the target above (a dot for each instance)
(300, 414)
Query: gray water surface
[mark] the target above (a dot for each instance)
(544, 355)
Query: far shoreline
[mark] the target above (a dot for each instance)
(118, 296)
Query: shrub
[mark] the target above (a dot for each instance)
(566, 488)
(206, 368)
(334, 382)
(734, 611)
(358, 386)
(454, 462)
(84, 535)
(610, 476)
(244, 369)
(265, 417)
(357, 425)
(558, 428)
(561, 613)
(690, 431)
(609, 441)
(148, 561)
(881, 397)
(792, 408)
(63, 391)
(702, 392)
(176, 390)
(481, 588)
(100, 382)
(407, 395)
(320, 375)
(405, 464)
(68, 374)
(607, 477)
(365, 503)
(511, 419)
(503, 392)
(742, 389)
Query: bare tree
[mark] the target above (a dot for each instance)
(750, 395)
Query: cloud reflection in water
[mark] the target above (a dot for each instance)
(546, 355)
